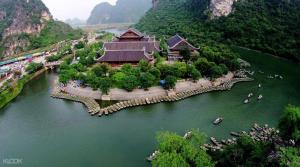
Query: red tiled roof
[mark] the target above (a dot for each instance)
(124, 56)
(139, 45)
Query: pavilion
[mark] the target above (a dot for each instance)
(177, 43)
(130, 47)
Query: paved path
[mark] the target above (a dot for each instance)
(121, 94)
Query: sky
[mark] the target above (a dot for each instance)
(68, 9)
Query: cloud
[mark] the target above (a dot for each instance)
(65, 9)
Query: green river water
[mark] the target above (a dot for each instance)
(48, 132)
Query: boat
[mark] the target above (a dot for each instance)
(214, 141)
(246, 101)
(235, 134)
(187, 135)
(250, 95)
(152, 156)
(260, 97)
(224, 142)
(218, 121)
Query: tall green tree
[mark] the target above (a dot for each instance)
(130, 82)
(147, 80)
(185, 53)
(177, 151)
(289, 124)
(170, 82)
(104, 84)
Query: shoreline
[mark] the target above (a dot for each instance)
(10, 96)
(170, 96)
(269, 54)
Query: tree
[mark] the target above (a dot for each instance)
(181, 69)
(101, 70)
(144, 65)
(155, 72)
(80, 45)
(92, 80)
(177, 151)
(78, 67)
(104, 84)
(33, 67)
(66, 75)
(130, 82)
(147, 80)
(289, 157)
(224, 68)
(246, 152)
(127, 68)
(203, 66)
(170, 82)
(119, 78)
(216, 71)
(185, 53)
(195, 74)
(289, 124)
(169, 159)
(166, 70)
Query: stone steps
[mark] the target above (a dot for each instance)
(94, 108)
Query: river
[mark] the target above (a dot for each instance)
(43, 131)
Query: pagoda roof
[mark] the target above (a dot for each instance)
(152, 46)
(124, 56)
(137, 33)
(176, 40)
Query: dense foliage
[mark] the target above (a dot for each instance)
(289, 124)
(9, 10)
(63, 51)
(33, 67)
(38, 30)
(179, 152)
(268, 25)
(54, 32)
(246, 152)
(128, 77)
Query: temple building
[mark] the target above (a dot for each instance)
(130, 47)
(177, 43)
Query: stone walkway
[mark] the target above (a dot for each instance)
(117, 94)
(183, 92)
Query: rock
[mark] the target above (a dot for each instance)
(221, 7)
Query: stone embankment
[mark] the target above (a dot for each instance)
(90, 103)
(171, 97)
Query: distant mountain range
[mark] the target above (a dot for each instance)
(28, 24)
(123, 12)
(75, 22)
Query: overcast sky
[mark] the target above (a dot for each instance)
(65, 9)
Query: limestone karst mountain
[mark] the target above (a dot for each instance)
(124, 11)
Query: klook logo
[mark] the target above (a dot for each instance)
(13, 161)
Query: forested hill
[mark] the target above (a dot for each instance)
(124, 11)
(28, 24)
(272, 26)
